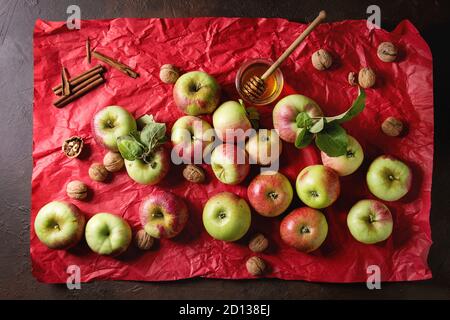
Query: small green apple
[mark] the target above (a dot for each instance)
(230, 121)
(226, 217)
(389, 178)
(149, 173)
(108, 234)
(348, 163)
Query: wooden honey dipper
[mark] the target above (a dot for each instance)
(254, 88)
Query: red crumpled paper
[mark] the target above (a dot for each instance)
(219, 46)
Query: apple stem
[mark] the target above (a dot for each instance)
(273, 195)
(304, 229)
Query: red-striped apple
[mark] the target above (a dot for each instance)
(230, 163)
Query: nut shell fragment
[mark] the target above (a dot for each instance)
(73, 146)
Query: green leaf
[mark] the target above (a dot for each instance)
(129, 147)
(304, 138)
(318, 126)
(303, 120)
(144, 120)
(253, 116)
(153, 134)
(356, 108)
(333, 140)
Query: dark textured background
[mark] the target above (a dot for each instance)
(16, 95)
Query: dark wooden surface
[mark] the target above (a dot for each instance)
(16, 94)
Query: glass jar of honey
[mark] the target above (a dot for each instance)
(273, 84)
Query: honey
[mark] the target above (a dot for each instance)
(273, 84)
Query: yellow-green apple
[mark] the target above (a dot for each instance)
(389, 178)
(264, 147)
(163, 214)
(226, 217)
(348, 163)
(231, 122)
(370, 221)
(230, 163)
(110, 123)
(191, 137)
(286, 111)
(108, 234)
(152, 172)
(305, 229)
(318, 186)
(270, 193)
(59, 225)
(196, 93)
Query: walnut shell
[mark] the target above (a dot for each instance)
(76, 190)
(255, 266)
(366, 78)
(143, 240)
(98, 172)
(321, 59)
(258, 243)
(387, 52)
(169, 74)
(73, 146)
(113, 161)
(194, 173)
(392, 127)
(352, 79)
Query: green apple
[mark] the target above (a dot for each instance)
(110, 123)
(231, 122)
(196, 93)
(348, 163)
(230, 163)
(59, 225)
(389, 178)
(264, 148)
(318, 186)
(149, 173)
(108, 234)
(226, 217)
(370, 221)
(286, 111)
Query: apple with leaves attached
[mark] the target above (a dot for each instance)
(110, 123)
(191, 137)
(146, 160)
(232, 121)
(349, 162)
(196, 93)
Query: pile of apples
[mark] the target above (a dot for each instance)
(226, 216)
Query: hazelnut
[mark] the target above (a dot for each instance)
(352, 79)
(392, 127)
(321, 59)
(366, 78)
(72, 147)
(168, 73)
(98, 172)
(113, 161)
(258, 243)
(387, 52)
(76, 190)
(194, 173)
(255, 266)
(143, 240)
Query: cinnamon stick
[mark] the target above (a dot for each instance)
(88, 50)
(81, 89)
(80, 78)
(115, 64)
(65, 85)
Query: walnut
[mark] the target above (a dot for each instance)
(169, 74)
(113, 161)
(98, 172)
(255, 266)
(366, 78)
(72, 147)
(352, 79)
(321, 59)
(194, 173)
(76, 190)
(392, 127)
(387, 52)
(258, 243)
(143, 240)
